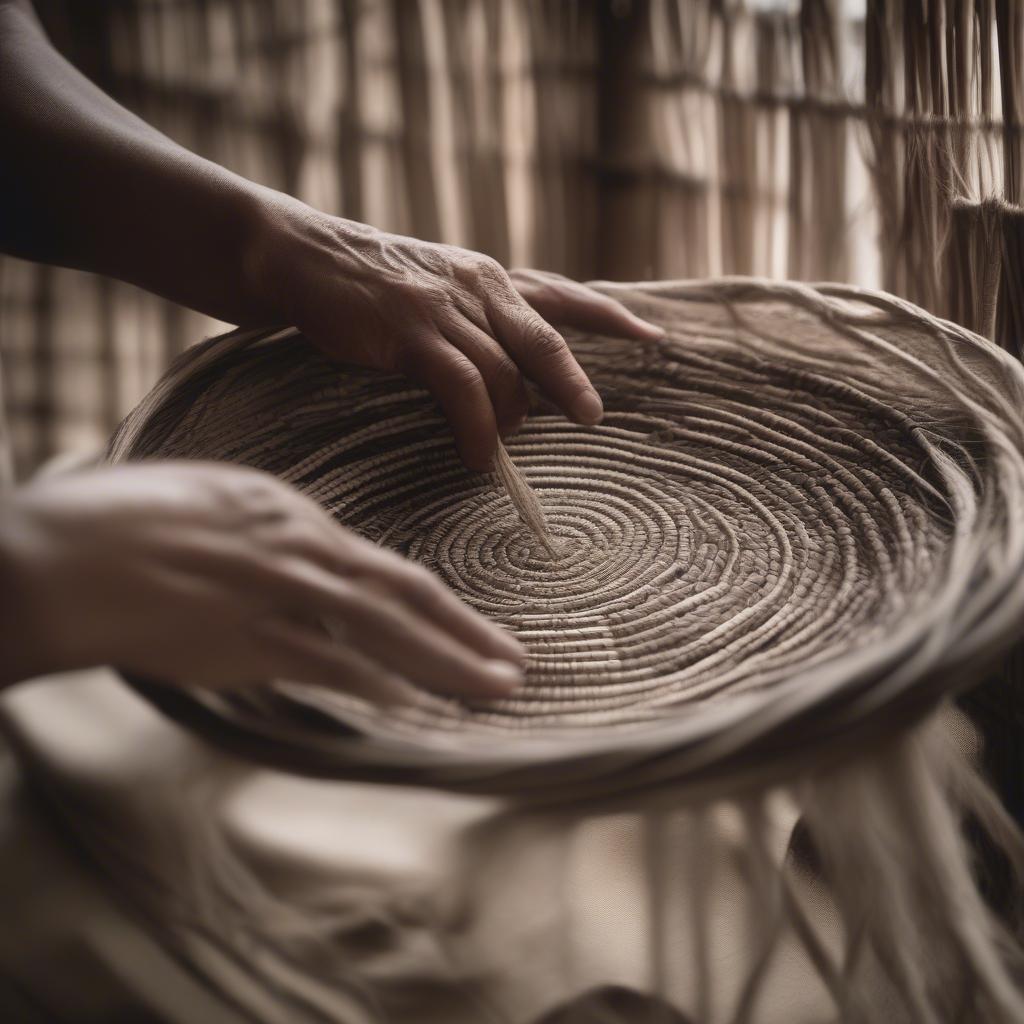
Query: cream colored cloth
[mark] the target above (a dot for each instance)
(69, 951)
(444, 944)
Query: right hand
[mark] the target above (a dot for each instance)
(215, 575)
(454, 320)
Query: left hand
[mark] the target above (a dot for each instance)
(453, 320)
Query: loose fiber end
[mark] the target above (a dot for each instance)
(525, 499)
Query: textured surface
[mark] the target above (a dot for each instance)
(800, 527)
(795, 498)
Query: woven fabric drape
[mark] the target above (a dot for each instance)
(875, 142)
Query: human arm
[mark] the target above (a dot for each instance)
(87, 184)
(216, 575)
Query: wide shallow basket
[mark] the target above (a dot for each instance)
(800, 524)
(798, 530)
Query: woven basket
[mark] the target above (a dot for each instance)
(799, 528)
(800, 524)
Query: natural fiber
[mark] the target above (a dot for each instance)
(799, 526)
(756, 524)
(524, 500)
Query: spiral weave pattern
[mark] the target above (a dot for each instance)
(801, 505)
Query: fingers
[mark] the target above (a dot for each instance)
(268, 560)
(392, 630)
(570, 304)
(500, 374)
(298, 654)
(428, 596)
(336, 550)
(459, 388)
(541, 352)
(397, 637)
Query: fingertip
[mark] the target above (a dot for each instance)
(587, 408)
(503, 677)
(477, 459)
(632, 326)
(646, 331)
(507, 648)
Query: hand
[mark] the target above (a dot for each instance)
(561, 300)
(451, 319)
(220, 576)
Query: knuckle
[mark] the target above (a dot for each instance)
(251, 496)
(487, 267)
(443, 256)
(465, 373)
(506, 376)
(261, 486)
(297, 534)
(542, 339)
(431, 295)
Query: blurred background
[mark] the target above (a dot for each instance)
(852, 140)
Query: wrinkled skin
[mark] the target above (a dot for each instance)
(453, 320)
(220, 575)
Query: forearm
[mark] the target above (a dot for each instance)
(85, 183)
